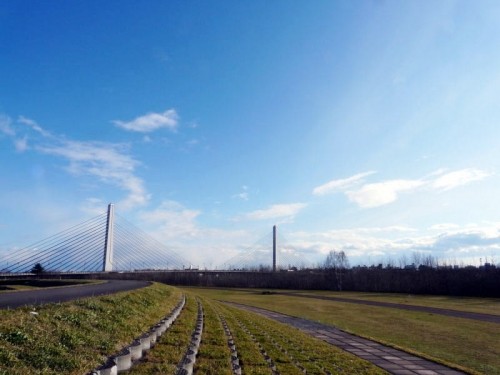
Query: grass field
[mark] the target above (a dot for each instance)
(74, 337)
(470, 304)
(469, 344)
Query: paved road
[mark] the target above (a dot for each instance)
(54, 295)
(433, 310)
(392, 360)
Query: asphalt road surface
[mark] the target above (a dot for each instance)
(11, 300)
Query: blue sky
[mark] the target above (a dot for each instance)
(370, 127)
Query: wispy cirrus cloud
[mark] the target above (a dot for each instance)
(150, 122)
(461, 177)
(276, 211)
(33, 124)
(341, 184)
(111, 163)
(6, 126)
(369, 195)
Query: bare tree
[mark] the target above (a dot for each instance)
(338, 262)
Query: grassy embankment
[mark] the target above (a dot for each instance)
(289, 349)
(75, 337)
(469, 344)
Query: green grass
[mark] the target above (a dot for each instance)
(75, 337)
(470, 345)
(286, 346)
(290, 350)
(470, 304)
(214, 354)
(169, 350)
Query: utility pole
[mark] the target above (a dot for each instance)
(274, 248)
(107, 262)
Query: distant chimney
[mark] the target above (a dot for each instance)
(274, 248)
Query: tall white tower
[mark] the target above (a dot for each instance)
(107, 262)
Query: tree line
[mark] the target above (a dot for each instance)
(425, 275)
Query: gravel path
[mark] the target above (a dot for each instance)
(392, 360)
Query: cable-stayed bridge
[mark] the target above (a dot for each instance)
(109, 242)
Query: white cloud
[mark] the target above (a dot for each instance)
(21, 144)
(176, 226)
(276, 211)
(379, 194)
(6, 126)
(244, 195)
(172, 219)
(151, 122)
(109, 162)
(370, 245)
(341, 184)
(33, 124)
(461, 177)
(444, 226)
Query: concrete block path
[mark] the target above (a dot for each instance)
(392, 360)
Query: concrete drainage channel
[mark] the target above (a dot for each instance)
(125, 359)
(186, 365)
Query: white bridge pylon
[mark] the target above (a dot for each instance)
(107, 263)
